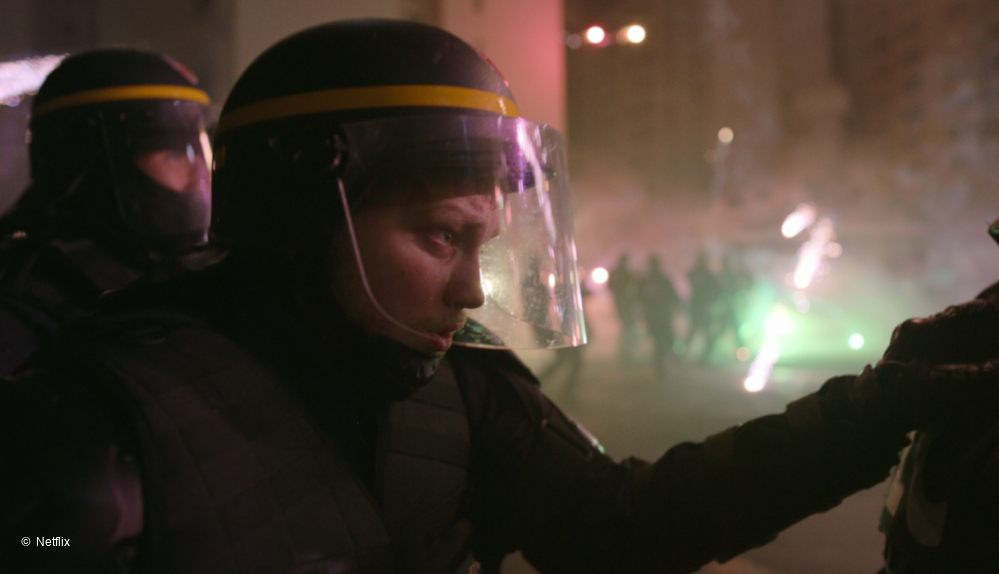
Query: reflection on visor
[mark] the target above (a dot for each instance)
(481, 154)
(480, 164)
(529, 271)
(161, 163)
(151, 126)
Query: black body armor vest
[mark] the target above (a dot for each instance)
(240, 476)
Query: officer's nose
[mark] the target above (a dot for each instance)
(465, 283)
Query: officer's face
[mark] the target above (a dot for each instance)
(179, 171)
(420, 253)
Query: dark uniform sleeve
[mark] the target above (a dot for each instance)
(22, 330)
(542, 486)
(70, 490)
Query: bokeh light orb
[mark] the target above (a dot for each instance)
(856, 341)
(726, 135)
(599, 275)
(595, 34)
(635, 34)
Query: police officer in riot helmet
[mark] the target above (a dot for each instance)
(120, 167)
(337, 394)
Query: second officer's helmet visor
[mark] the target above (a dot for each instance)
(161, 162)
(528, 269)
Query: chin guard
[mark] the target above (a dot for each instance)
(403, 370)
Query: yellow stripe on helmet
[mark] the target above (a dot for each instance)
(367, 98)
(120, 93)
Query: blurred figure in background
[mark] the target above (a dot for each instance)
(121, 168)
(734, 285)
(624, 287)
(705, 291)
(659, 303)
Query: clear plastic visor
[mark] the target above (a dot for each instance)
(527, 265)
(161, 158)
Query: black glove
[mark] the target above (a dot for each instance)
(901, 397)
(962, 334)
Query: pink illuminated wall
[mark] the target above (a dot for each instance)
(526, 41)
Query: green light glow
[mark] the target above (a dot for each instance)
(778, 323)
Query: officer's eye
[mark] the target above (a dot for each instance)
(445, 237)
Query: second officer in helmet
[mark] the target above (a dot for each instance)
(120, 168)
(334, 397)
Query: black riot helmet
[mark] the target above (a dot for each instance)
(119, 154)
(327, 115)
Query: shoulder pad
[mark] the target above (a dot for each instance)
(498, 358)
(134, 326)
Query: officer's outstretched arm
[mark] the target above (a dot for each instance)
(70, 490)
(549, 491)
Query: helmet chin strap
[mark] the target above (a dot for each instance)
(71, 189)
(364, 275)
